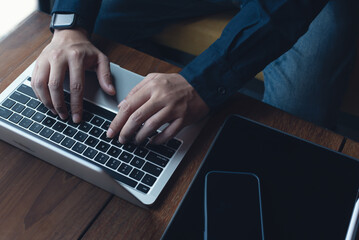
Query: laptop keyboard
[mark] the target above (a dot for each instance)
(136, 166)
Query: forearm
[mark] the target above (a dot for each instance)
(87, 10)
(257, 35)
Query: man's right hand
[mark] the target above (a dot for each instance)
(70, 50)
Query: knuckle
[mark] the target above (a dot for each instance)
(75, 53)
(56, 54)
(125, 107)
(106, 76)
(137, 117)
(152, 123)
(39, 84)
(76, 87)
(54, 84)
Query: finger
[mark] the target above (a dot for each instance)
(126, 108)
(169, 132)
(77, 79)
(34, 79)
(104, 75)
(135, 121)
(153, 123)
(40, 84)
(56, 79)
(141, 84)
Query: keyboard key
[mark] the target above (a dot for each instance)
(50, 114)
(129, 147)
(137, 162)
(126, 157)
(97, 121)
(116, 142)
(92, 108)
(33, 103)
(84, 126)
(15, 118)
(90, 153)
(141, 152)
(96, 132)
(121, 178)
(91, 141)
(71, 123)
(114, 152)
(101, 158)
(38, 117)
(104, 138)
(57, 137)
(5, 113)
(68, 142)
(18, 108)
(102, 146)
(8, 103)
(113, 163)
(46, 132)
(19, 97)
(25, 123)
(59, 126)
(42, 108)
(86, 116)
(35, 127)
(152, 169)
(137, 174)
(27, 90)
(70, 131)
(125, 169)
(162, 149)
(106, 125)
(143, 188)
(28, 112)
(157, 159)
(149, 180)
(80, 136)
(79, 147)
(49, 122)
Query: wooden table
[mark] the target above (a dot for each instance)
(39, 201)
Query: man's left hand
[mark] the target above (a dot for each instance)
(158, 99)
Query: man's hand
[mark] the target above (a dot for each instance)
(70, 50)
(158, 99)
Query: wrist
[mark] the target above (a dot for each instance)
(74, 34)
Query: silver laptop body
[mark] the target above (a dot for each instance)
(19, 128)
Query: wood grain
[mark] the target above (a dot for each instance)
(39, 201)
(351, 148)
(116, 222)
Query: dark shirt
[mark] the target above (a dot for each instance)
(258, 34)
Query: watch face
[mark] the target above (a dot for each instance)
(63, 20)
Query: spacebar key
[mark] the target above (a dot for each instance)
(121, 178)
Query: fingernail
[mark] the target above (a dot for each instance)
(63, 116)
(111, 87)
(53, 111)
(122, 140)
(76, 118)
(110, 133)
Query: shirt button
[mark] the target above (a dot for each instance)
(221, 90)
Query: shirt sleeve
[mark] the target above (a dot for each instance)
(87, 10)
(258, 34)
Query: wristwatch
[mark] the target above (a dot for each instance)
(66, 21)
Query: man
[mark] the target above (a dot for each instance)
(308, 80)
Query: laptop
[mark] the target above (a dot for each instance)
(137, 174)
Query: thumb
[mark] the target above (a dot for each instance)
(104, 76)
